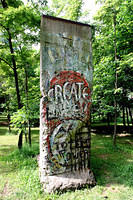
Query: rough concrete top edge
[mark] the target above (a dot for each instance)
(65, 20)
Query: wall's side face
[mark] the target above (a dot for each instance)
(66, 83)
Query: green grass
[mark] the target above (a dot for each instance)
(113, 169)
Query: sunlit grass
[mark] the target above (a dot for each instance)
(113, 169)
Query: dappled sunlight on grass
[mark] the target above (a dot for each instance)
(6, 149)
(113, 169)
(7, 144)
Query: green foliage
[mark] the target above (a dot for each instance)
(108, 40)
(19, 59)
(19, 26)
(20, 118)
(69, 9)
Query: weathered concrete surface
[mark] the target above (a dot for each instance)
(66, 84)
(65, 181)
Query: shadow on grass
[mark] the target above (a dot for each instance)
(13, 159)
(6, 149)
(109, 164)
(5, 131)
(18, 160)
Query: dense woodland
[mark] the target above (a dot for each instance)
(112, 99)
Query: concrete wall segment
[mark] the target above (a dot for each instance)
(66, 85)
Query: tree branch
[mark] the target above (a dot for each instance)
(6, 62)
(7, 29)
(4, 4)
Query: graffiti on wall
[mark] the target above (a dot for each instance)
(66, 108)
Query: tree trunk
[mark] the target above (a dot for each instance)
(15, 71)
(20, 140)
(27, 106)
(29, 132)
(130, 113)
(123, 109)
(116, 81)
(8, 117)
(25, 133)
(115, 123)
(128, 119)
(5, 5)
(8, 113)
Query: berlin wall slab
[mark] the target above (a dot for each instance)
(66, 85)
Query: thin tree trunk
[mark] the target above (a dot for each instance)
(29, 132)
(20, 141)
(8, 113)
(123, 109)
(5, 6)
(27, 102)
(130, 113)
(15, 71)
(115, 123)
(116, 81)
(25, 133)
(128, 119)
(8, 117)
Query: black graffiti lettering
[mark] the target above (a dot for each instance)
(68, 156)
(63, 145)
(61, 153)
(57, 145)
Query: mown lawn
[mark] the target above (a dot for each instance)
(113, 169)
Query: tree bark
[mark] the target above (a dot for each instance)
(128, 119)
(9, 127)
(20, 141)
(116, 81)
(115, 123)
(14, 70)
(27, 102)
(29, 132)
(8, 112)
(25, 133)
(123, 109)
(5, 5)
(130, 113)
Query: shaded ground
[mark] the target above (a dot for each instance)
(104, 129)
(113, 169)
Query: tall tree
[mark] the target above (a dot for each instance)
(16, 21)
(112, 43)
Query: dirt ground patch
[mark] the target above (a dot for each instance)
(6, 191)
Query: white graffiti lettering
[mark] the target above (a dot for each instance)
(74, 90)
(69, 100)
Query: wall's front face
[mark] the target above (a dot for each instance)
(66, 82)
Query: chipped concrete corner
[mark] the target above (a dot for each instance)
(66, 84)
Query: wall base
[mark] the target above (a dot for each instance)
(71, 180)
